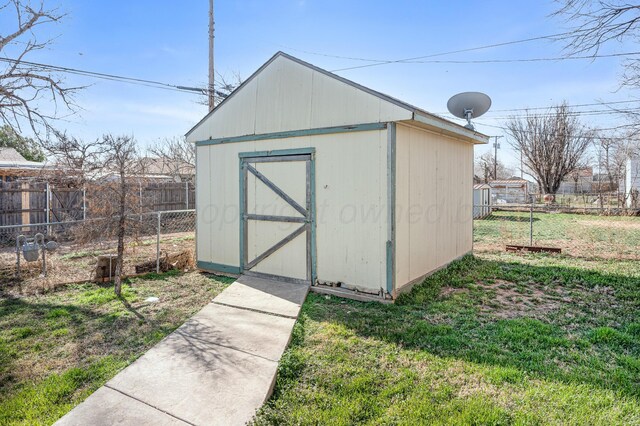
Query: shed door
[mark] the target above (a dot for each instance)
(277, 216)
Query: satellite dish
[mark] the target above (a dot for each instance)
(469, 105)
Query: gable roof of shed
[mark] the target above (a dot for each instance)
(419, 114)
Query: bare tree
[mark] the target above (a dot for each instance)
(122, 166)
(111, 171)
(552, 144)
(78, 160)
(176, 157)
(596, 23)
(485, 165)
(30, 95)
(224, 87)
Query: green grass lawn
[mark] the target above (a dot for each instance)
(580, 236)
(59, 347)
(495, 339)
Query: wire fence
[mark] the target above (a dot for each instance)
(613, 234)
(159, 241)
(154, 242)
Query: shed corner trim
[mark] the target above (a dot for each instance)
(391, 208)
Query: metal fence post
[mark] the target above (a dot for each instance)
(47, 206)
(186, 195)
(158, 245)
(84, 203)
(18, 256)
(531, 224)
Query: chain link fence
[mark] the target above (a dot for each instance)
(576, 232)
(154, 242)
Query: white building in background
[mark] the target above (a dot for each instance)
(481, 200)
(632, 183)
(511, 191)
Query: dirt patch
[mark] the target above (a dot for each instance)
(448, 291)
(510, 301)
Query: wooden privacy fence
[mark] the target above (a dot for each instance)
(24, 203)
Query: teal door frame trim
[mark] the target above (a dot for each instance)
(281, 155)
(294, 133)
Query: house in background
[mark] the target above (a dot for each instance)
(580, 181)
(309, 177)
(511, 191)
(14, 166)
(163, 169)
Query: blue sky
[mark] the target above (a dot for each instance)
(167, 41)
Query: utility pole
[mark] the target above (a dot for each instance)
(211, 90)
(496, 146)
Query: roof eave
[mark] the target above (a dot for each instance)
(447, 127)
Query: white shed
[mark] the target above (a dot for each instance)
(306, 176)
(481, 200)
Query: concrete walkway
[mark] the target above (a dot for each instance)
(216, 369)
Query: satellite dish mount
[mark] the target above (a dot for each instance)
(469, 105)
(468, 114)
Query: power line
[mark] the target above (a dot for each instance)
(553, 37)
(557, 36)
(495, 61)
(551, 107)
(568, 113)
(433, 55)
(601, 129)
(328, 55)
(570, 106)
(502, 61)
(105, 76)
